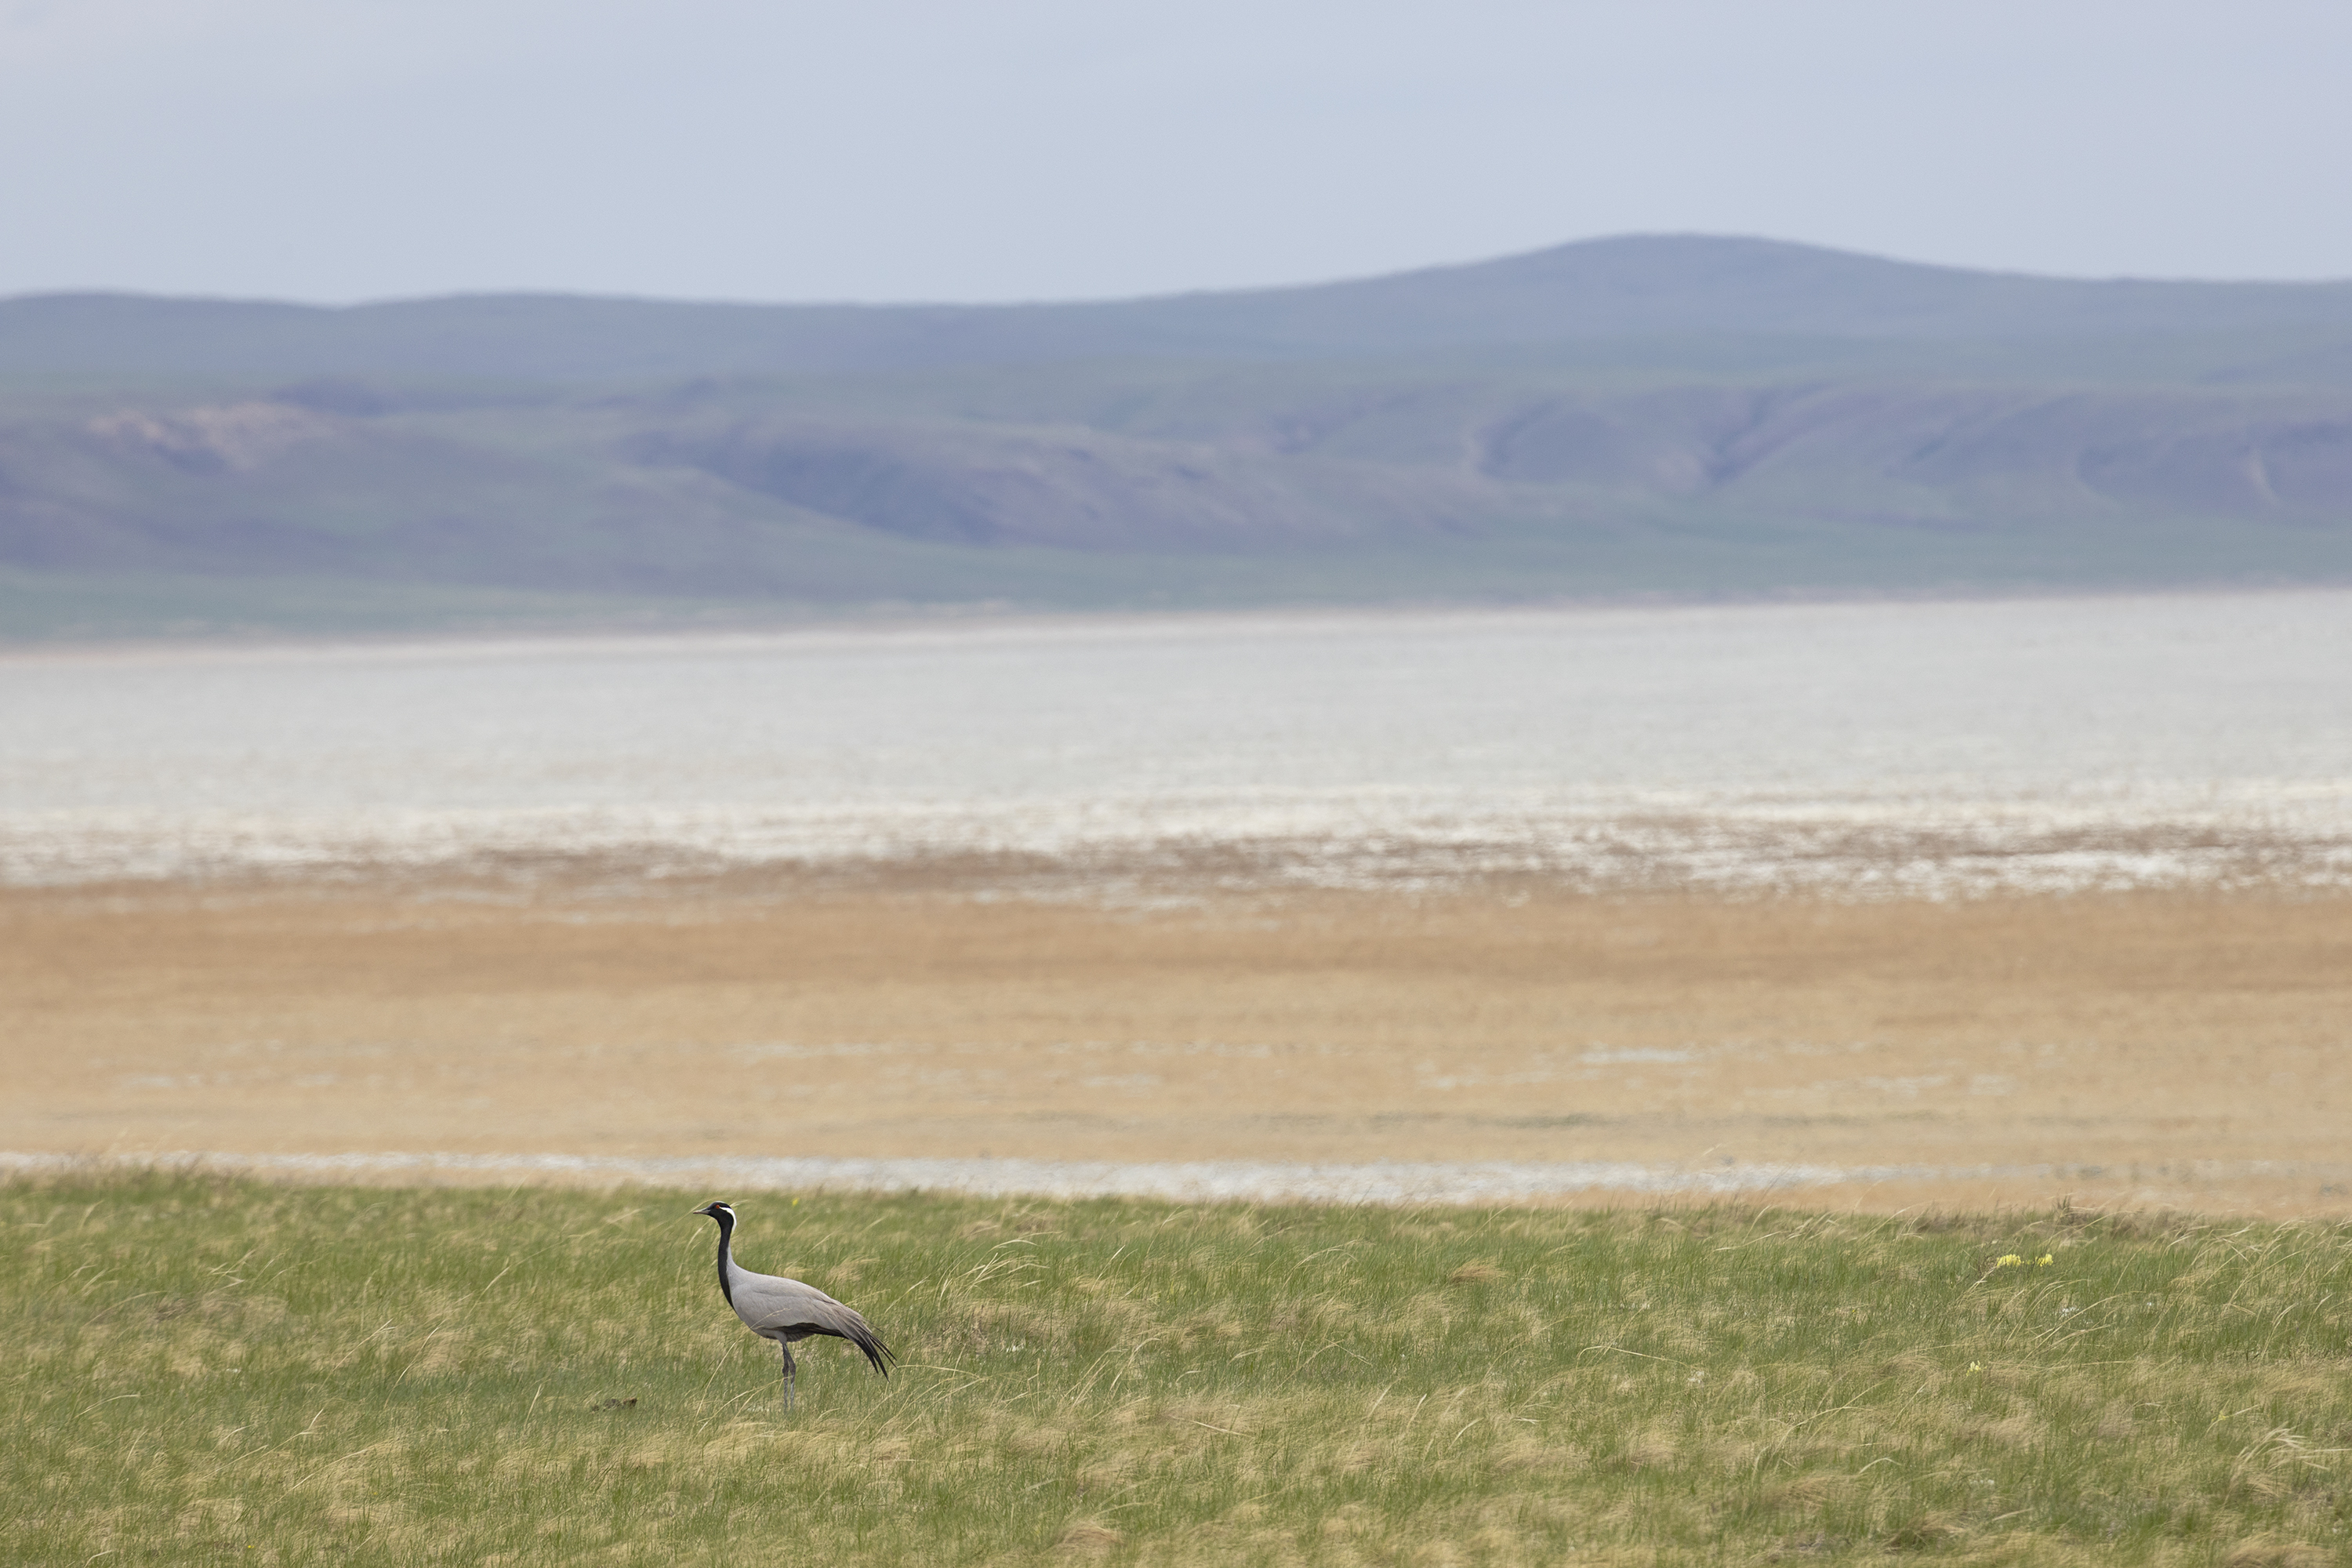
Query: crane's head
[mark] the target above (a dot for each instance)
(723, 1213)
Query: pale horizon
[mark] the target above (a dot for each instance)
(918, 152)
(1161, 294)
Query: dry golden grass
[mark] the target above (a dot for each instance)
(203, 1371)
(2124, 1032)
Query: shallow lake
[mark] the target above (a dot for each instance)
(1948, 746)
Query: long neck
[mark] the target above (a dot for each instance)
(726, 1258)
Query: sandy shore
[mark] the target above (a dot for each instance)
(2177, 1049)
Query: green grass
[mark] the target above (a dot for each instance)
(200, 1371)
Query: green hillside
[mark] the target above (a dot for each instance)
(1688, 417)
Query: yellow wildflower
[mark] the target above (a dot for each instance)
(2009, 1260)
(2044, 1261)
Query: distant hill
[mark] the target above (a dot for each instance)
(1642, 416)
(1629, 288)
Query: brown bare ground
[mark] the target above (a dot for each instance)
(779, 1016)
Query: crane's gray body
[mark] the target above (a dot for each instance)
(786, 1311)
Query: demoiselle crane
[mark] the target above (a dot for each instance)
(786, 1311)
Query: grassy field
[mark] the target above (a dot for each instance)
(206, 1371)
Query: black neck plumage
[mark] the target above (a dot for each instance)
(726, 1218)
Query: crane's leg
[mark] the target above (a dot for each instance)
(788, 1370)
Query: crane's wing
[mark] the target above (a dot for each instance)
(768, 1303)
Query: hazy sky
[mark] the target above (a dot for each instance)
(336, 149)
